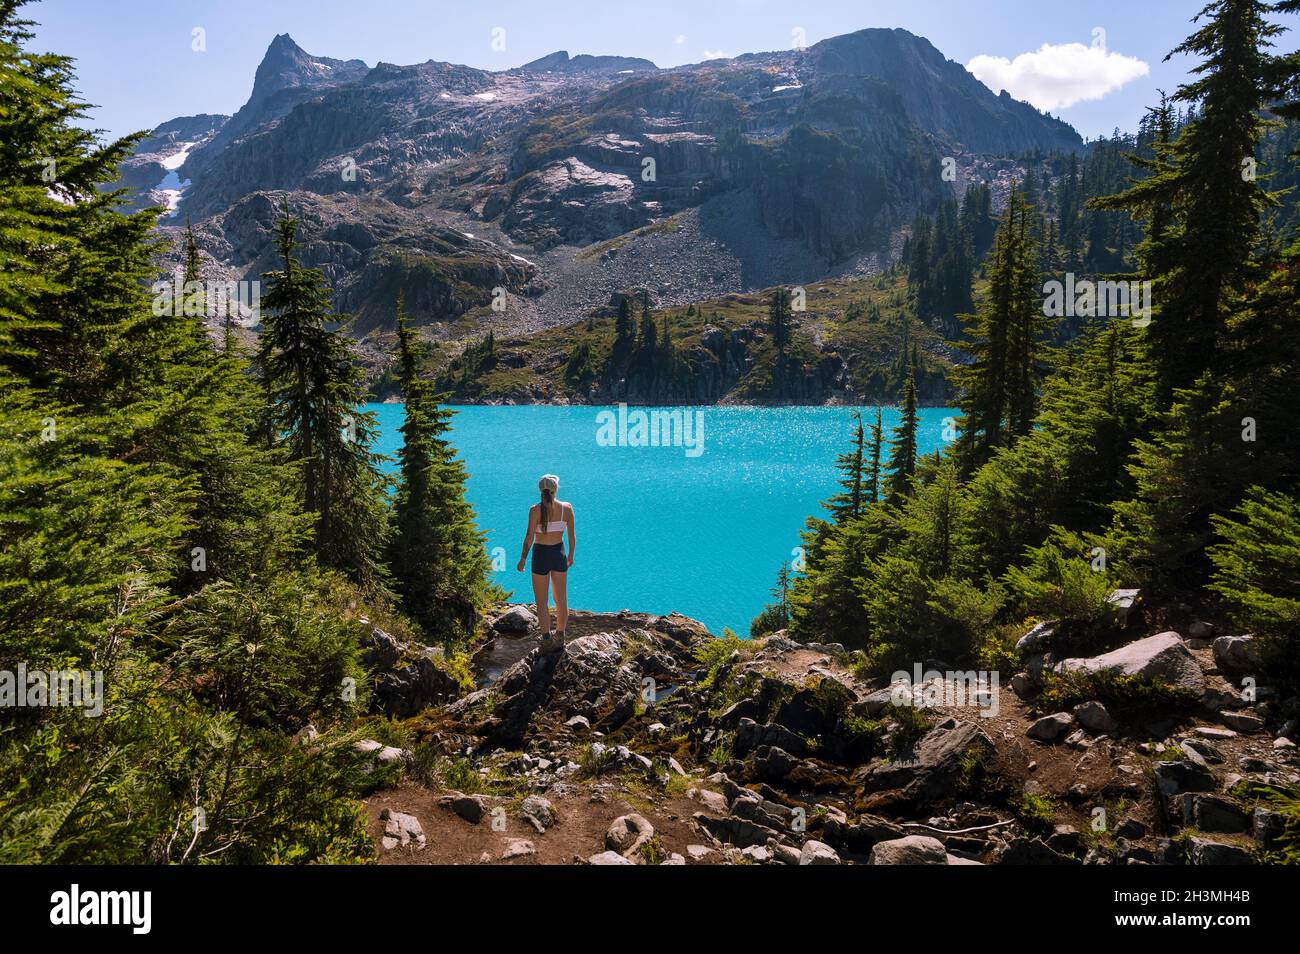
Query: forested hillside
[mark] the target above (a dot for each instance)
(204, 531)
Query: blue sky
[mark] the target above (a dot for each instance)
(135, 60)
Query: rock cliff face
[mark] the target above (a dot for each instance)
(785, 166)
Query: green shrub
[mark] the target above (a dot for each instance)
(1127, 696)
(1058, 582)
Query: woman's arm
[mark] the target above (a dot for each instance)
(573, 537)
(528, 540)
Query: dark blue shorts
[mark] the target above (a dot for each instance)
(549, 558)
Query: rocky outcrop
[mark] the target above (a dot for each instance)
(1163, 657)
(625, 750)
(408, 678)
(930, 771)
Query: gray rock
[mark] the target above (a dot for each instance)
(1022, 684)
(1130, 829)
(785, 854)
(1123, 603)
(713, 801)
(750, 735)
(579, 724)
(932, 768)
(608, 858)
(1214, 813)
(1051, 727)
(1267, 826)
(1174, 778)
(758, 854)
(817, 853)
(401, 830)
(1206, 851)
(384, 754)
(1214, 732)
(1242, 721)
(1095, 717)
(468, 807)
(517, 619)
(1204, 749)
(538, 812)
(1236, 655)
(1030, 851)
(1162, 657)
(876, 702)
(1035, 641)
(909, 850)
(734, 831)
(518, 848)
(773, 763)
(700, 852)
(628, 833)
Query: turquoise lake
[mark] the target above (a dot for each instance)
(659, 530)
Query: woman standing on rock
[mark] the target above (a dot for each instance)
(547, 522)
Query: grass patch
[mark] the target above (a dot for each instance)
(1037, 813)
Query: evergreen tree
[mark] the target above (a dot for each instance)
(778, 326)
(1000, 387)
(436, 554)
(848, 505)
(873, 461)
(902, 453)
(1205, 177)
(314, 393)
(145, 536)
(624, 327)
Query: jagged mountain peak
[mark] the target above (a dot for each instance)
(287, 64)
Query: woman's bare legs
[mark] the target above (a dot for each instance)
(560, 583)
(543, 602)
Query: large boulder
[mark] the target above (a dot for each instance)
(817, 853)
(1236, 655)
(401, 830)
(1162, 657)
(1035, 641)
(408, 677)
(628, 833)
(517, 619)
(1051, 727)
(931, 769)
(589, 674)
(911, 850)
(1095, 717)
(750, 735)
(1187, 775)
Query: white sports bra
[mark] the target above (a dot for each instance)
(555, 526)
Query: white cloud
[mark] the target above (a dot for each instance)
(679, 39)
(715, 55)
(1058, 75)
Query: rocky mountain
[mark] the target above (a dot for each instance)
(568, 178)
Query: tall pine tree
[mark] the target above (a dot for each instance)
(314, 394)
(436, 554)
